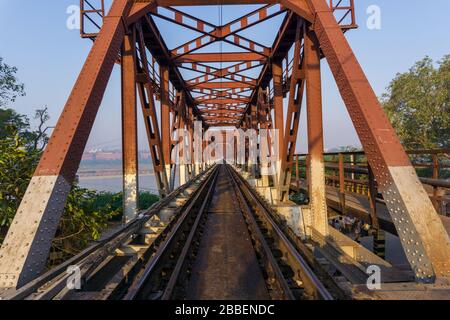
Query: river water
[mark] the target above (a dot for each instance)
(114, 183)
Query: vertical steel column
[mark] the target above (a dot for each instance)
(420, 229)
(342, 184)
(265, 139)
(198, 147)
(278, 114)
(253, 126)
(236, 146)
(27, 244)
(129, 130)
(352, 174)
(373, 199)
(165, 118)
(254, 116)
(278, 99)
(182, 157)
(191, 142)
(315, 133)
(146, 95)
(296, 88)
(174, 115)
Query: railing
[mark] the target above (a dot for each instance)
(350, 173)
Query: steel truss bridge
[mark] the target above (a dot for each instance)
(229, 230)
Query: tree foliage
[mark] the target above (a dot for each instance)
(82, 222)
(417, 103)
(20, 151)
(87, 213)
(10, 88)
(17, 164)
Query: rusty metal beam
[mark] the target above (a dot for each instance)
(278, 101)
(146, 94)
(222, 85)
(301, 8)
(129, 129)
(221, 57)
(167, 3)
(236, 78)
(165, 117)
(226, 72)
(223, 33)
(25, 250)
(158, 48)
(280, 48)
(316, 167)
(422, 234)
(140, 9)
(296, 89)
(219, 101)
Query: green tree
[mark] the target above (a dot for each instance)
(20, 150)
(10, 88)
(17, 164)
(417, 103)
(9, 119)
(81, 222)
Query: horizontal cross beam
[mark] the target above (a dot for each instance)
(221, 57)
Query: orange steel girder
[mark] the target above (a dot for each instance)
(129, 129)
(27, 244)
(218, 32)
(146, 94)
(297, 85)
(423, 237)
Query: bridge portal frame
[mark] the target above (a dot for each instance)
(424, 239)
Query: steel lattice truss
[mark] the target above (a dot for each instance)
(224, 95)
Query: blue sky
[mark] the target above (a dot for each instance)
(34, 37)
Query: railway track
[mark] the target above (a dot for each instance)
(290, 277)
(107, 267)
(169, 252)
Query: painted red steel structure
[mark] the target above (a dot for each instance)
(223, 96)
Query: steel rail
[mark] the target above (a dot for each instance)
(279, 284)
(266, 254)
(54, 281)
(313, 285)
(168, 292)
(113, 286)
(140, 281)
(159, 206)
